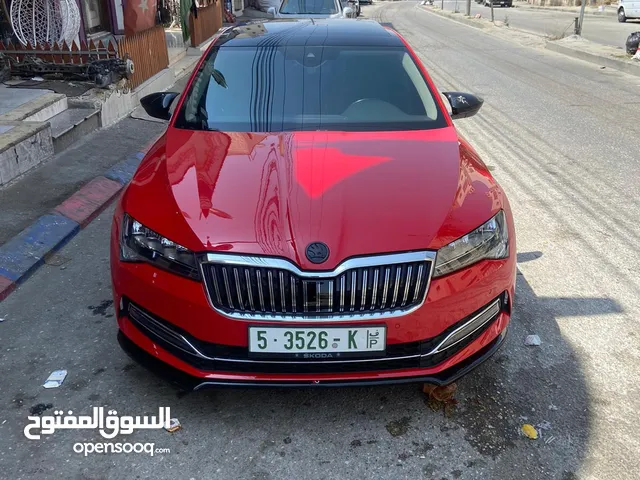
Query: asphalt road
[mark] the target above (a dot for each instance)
(559, 136)
(605, 30)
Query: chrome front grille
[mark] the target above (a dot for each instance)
(271, 288)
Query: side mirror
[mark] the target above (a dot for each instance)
(463, 104)
(348, 12)
(271, 11)
(157, 104)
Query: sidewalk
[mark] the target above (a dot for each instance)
(42, 189)
(609, 10)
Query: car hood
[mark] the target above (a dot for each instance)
(273, 194)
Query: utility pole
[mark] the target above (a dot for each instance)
(468, 14)
(442, 6)
(579, 29)
(491, 4)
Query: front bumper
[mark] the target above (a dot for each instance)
(189, 382)
(193, 364)
(181, 307)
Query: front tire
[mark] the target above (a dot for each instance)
(621, 16)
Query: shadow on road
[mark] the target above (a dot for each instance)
(519, 385)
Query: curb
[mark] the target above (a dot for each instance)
(606, 13)
(21, 256)
(452, 16)
(620, 65)
(626, 67)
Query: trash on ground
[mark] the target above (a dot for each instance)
(2, 319)
(633, 42)
(441, 398)
(553, 407)
(550, 439)
(637, 55)
(478, 15)
(174, 425)
(530, 431)
(544, 425)
(38, 79)
(55, 379)
(532, 340)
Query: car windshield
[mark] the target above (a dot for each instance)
(308, 7)
(289, 88)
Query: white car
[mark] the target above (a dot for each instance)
(628, 9)
(316, 9)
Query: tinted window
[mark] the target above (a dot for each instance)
(307, 7)
(272, 89)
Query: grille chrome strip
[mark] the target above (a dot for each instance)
(247, 277)
(396, 286)
(260, 294)
(364, 289)
(216, 287)
(331, 296)
(381, 286)
(293, 293)
(354, 277)
(375, 288)
(238, 290)
(271, 295)
(226, 286)
(284, 303)
(418, 281)
(385, 289)
(406, 287)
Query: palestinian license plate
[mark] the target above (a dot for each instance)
(317, 340)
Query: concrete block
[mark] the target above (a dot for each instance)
(39, 109)
(84, 205)
(57, 106)
(6, 287)
(23, 147)
(122, 172)
(597, 58)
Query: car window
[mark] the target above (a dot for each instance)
(308, 7)
(282, 88)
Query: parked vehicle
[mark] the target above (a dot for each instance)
(312, 217)
(315, 9)
(497, 3)
(628, 9)
(355, 4)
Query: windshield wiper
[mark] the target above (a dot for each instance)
(219, 78)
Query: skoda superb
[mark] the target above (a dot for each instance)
(311, 217)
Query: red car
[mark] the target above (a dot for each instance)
(312, 217)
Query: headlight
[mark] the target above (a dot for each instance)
(489, 241)
(140, 244)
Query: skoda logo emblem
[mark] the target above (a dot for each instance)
(317, 252)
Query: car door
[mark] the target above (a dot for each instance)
(631, 8)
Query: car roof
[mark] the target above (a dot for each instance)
(308, 32)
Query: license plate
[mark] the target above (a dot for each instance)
(282, 340)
